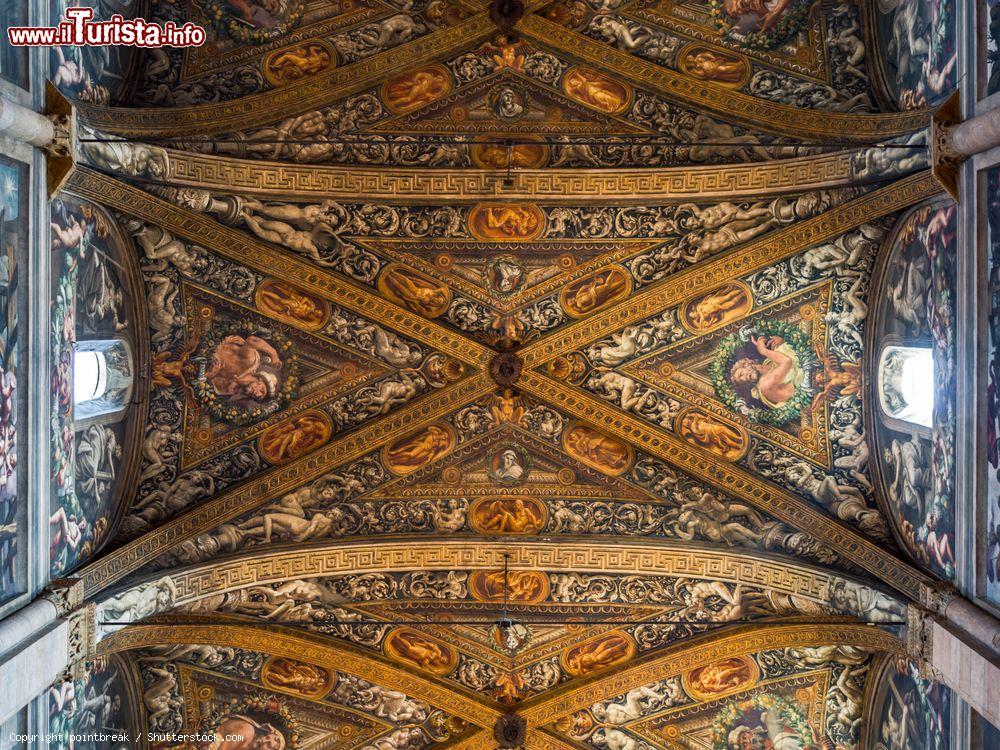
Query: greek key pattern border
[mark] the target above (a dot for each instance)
(662, 185)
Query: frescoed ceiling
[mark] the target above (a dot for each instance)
(591, 299)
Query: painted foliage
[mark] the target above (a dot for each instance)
(991, 563)
(916, 318)
(909, 711)
(98, 703)
(13, 239)
(918, 41)
(90, 309)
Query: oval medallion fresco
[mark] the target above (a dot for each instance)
(712, 434)
(523, 586)
(286, 302)
(607, 454)
(414, 451)
(296, 676)
(721, 678)
(717, 307)
(507, 515)
(413, 647)
(295, 63)
(595, 291)
(714, 65)
(295, 438)
(414, 89)
(414, 290)
(507, 222)
(597, 90)
(598, 654)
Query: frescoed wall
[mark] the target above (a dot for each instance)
(991, 552)
(917, 42)
(13, 246)
(991, 42)
(91, 317)
(14, 60)
(97, 703)
(909, 711)
(914, 336)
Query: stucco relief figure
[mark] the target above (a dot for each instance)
(244, 368)
(139, 602)
(908, 288)
(508, 515)
(415, 291)
(702, 515)
(596, 90)
(596, 291)
(124, 157)
(292, 305)
(410, 453)
(405, 644)
(844, 501)
(292, 439)
(415, 89)
(297, 676)
(910, 478)
(866, 603)
(309, 230)
(718, 307)
(496, 155)
(603, 452)
(604, 652)
(712, 434)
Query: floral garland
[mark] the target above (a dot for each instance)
(719, 372)
(218, 406)
(790, 715)
(220, 13)
(258, 704)
(790, 23)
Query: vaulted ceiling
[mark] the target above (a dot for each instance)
(421, 298)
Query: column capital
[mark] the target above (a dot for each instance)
(920, 640)
(66, 594)
(935, 596)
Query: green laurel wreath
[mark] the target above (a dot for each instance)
(790, 715)
(221, 16)
(219, 406)
(790, 23)
(719, 372)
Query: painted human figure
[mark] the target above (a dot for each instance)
(775, 380)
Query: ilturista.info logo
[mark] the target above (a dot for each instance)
(78, 29)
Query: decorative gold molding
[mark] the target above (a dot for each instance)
(264, 487)
(710, 468)
(238, 246)
(328, 653)
(271, 106)
(684, 656)
(814, 124)
(658, 558)
(739, 261)
(294, 181)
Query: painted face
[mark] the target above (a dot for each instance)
(744, 371)
(257, 389)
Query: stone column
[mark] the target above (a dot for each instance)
(25, 125)
(46, 641)
(958, 644)
(976, 135)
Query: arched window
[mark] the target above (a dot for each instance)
(102, 380)
(906, 384)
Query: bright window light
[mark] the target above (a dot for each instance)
(906, 383)
(90, 376)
